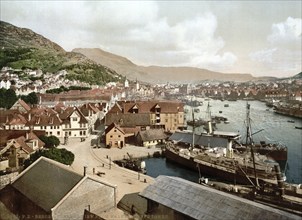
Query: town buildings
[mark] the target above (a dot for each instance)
(168, 115)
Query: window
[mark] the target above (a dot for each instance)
(41, 127)
(58, 133)
(74, 119)
(111, 136)
(119, 136)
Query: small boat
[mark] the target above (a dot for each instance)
(227, 122)
(220, 111)
(291, 121)
(197, 122)
(298, 127)
(226, 105)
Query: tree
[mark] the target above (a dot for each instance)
(60, 155)
(50, 142)
(7, 98)
(31, 98)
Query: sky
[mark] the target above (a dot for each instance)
(262, 38)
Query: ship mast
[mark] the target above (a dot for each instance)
(249, 140)
(193, 129)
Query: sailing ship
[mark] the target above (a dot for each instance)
(213, 154)
(277, 152)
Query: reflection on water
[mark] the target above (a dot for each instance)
(159, 166)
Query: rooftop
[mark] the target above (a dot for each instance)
(201, 202)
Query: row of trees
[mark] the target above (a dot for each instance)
(64, 89)
(8, 98)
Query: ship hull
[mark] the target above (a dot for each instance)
(211, 170)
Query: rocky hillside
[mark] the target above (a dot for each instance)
(157, 74)
(23, 48)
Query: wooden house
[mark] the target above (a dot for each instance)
(114, 136)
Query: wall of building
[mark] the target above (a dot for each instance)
(90, 194)
(6, 179)
(3, 164)
(115, 138)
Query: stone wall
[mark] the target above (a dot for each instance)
(6, 179)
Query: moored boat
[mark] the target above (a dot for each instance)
(230, 163)
(216, 164)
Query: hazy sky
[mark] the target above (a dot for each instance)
(257, 37)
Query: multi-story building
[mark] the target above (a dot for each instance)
(168, 115)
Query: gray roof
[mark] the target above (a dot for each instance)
(201, 140)
(201, 202)
(46, 182)
(153, 134)
(128, 120)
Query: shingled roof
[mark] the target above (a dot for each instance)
(148, 106)
(153, 134)
(201, 202)
(128, 120)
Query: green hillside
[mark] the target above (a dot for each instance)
(22, 48)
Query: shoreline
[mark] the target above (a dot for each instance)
(99, 163)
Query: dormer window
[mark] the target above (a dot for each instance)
(37, 120)
(157, 108)
(135, 109)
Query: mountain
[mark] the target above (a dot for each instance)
(157, 74)
(22, 48)
(298, 76)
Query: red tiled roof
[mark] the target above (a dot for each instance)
(24, 105)
(149, 107)
(113, 125)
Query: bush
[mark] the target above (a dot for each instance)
(50, 142)
(60, 155)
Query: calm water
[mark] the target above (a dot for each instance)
(276, 127)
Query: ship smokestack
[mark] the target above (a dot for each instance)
(210, 127)
(279, 180)
(229, 152)
(85, 168)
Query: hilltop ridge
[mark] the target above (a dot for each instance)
(22, 48)
(157, 74)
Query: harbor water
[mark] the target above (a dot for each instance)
(276, 129)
